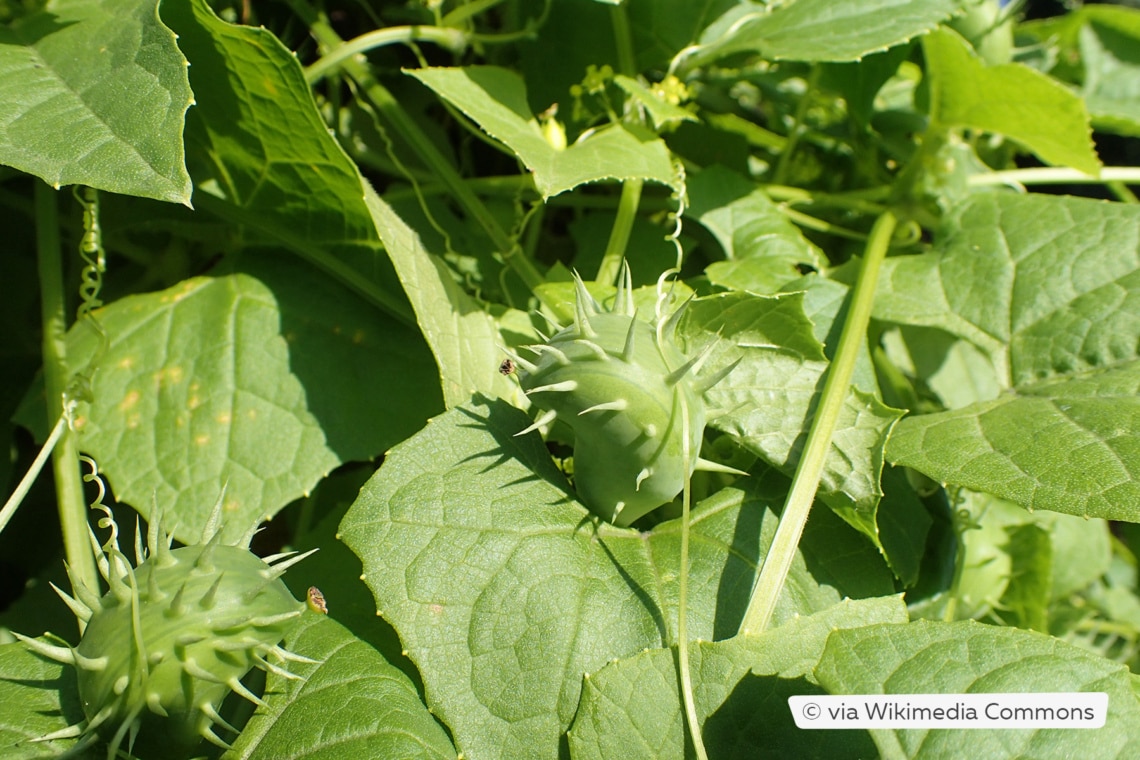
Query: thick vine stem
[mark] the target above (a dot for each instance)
(780, 555)
(619, 237)
(65, 457)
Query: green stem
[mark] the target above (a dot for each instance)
(783, 165)
(623, 40)
(835, 390)
(65, 458)
(467, 11)
(1047, 175)
(387, 106)
(819, 225)
(619, 235)
(631, 188)
(862, 201)
(687, 699)
(1122, 192)
(29, 478)
(449, 39)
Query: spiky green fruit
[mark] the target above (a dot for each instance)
(174, 636)
(632, 398)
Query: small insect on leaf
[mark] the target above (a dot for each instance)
(507, 367)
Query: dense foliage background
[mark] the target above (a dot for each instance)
(255, 248)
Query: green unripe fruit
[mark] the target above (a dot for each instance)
(632, 399)
(174, 636)
(207, 612)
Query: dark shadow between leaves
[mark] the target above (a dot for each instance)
(756, 722)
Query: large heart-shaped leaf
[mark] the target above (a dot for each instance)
(232, 383)
(505, 590)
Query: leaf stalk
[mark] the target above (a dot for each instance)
(835, 389)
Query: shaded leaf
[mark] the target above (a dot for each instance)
(263, 159)
(762, 246)
(463, 337)
(1025, 603)
(351, 703)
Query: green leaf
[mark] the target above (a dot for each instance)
(955, 370)
(762, 246)
(351, 703)
(903, 525)
(632, 709)
(263, 159)
(1078, 551)
(825, 304)
(237, 382)
(505, 590)
(819, 30)
(1046, 285)
(495, 98)
(95, 93)
(1097, 52)
(766, 399)
(1010, 99)
(1066, 445)
(1050, 288)
(957, 658)
(37, 697)
(462, 336)
(1025, 603)
(1111, 89)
